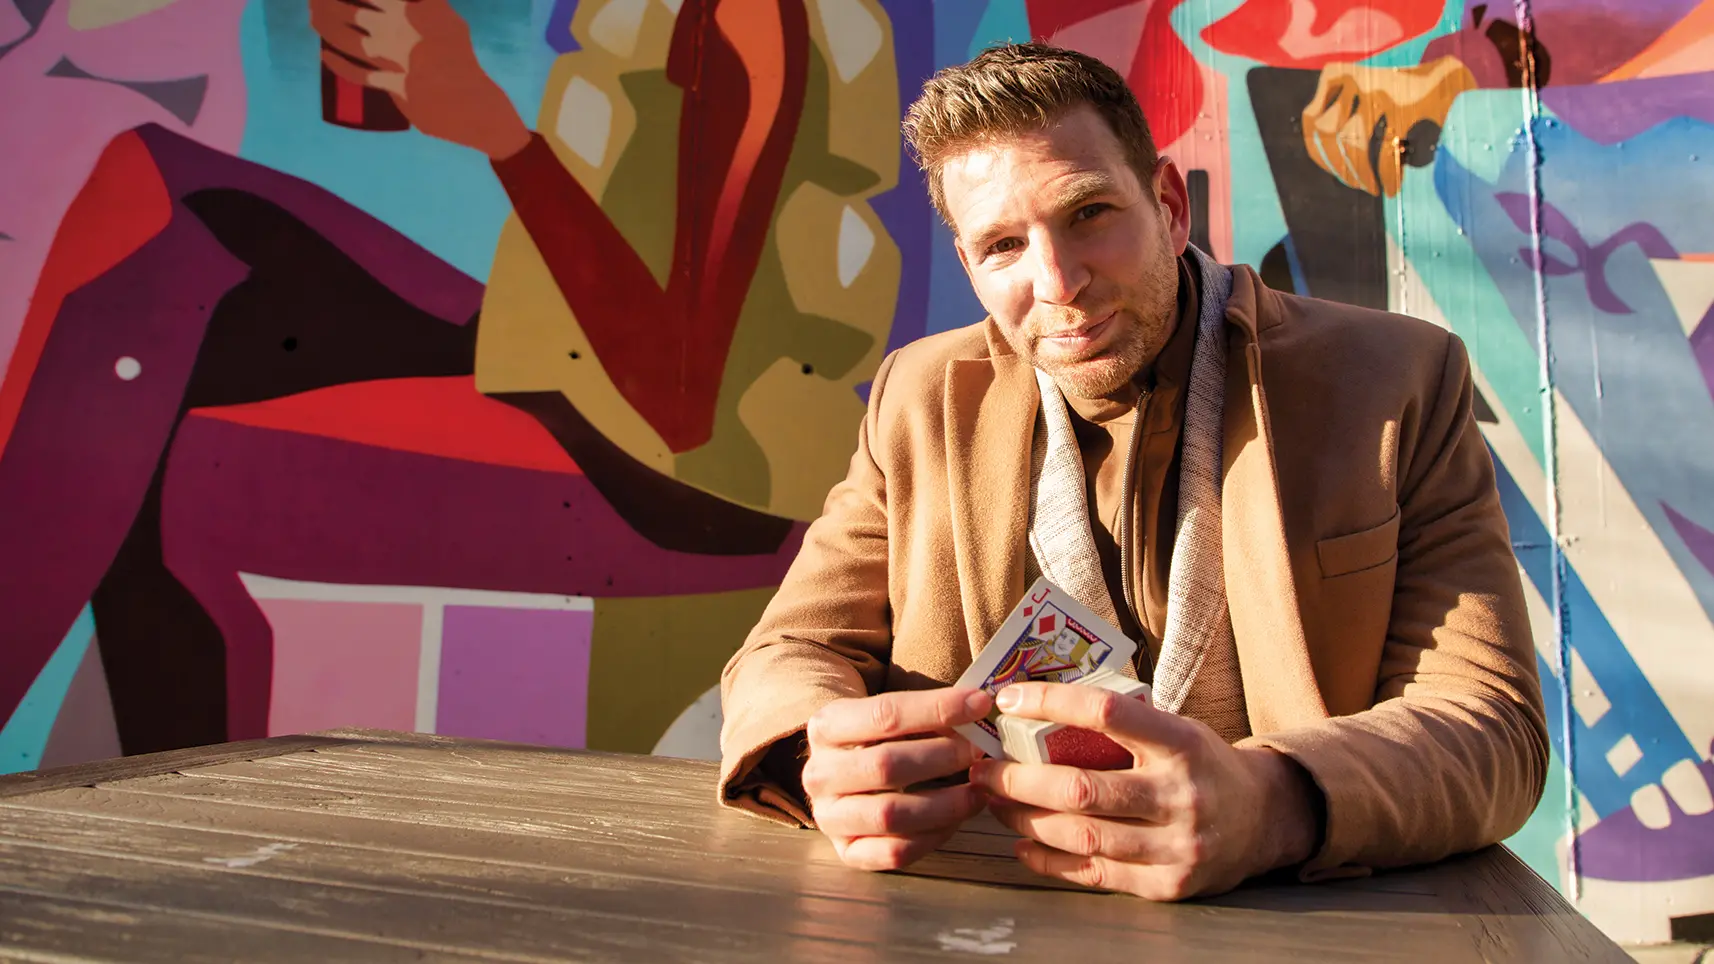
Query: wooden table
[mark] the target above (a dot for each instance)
(379, 846)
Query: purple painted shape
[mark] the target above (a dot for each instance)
(87, 443)
(1699, 540)
(515, 674)
(1610, 113)
(1702, 347)
(244, 499)
(393, 259)
(904, 210)
(1620, 848)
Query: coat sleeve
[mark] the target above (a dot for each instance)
(826, 635)
(1454, 753)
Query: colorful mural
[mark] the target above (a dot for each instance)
(312, 415)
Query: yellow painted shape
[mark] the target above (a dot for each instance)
(651, 657)
(524, 344)
(95, 14)
(1690, 287)
(865, 109)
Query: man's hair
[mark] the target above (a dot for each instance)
(1013, 88)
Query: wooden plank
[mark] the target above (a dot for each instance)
(653, 930)
(912, 926)
(149, 764)
(40, 927)
(1401, 931)
(1514, 915)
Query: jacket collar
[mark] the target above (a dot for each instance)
(990, 409)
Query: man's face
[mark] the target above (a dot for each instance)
(1073, 254)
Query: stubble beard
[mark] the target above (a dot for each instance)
(1147, 319)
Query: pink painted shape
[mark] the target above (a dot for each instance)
(1205, 147)
(515, 674)
(1112, 37)
(54, 128)
(343, 664)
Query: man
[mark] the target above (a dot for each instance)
(1287, 502)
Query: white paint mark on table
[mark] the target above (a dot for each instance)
(260, 854)
(980, 940)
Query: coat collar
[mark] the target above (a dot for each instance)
(990, 409)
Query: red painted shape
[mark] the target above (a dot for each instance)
(347, 102)
(444, 417)
(742, 65)
(1255, 29)
(1164, 75)
(121, 206)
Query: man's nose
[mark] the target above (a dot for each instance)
(1060, 276)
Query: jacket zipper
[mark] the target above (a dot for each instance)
(1126, 510)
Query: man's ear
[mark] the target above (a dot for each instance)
(1174, 199)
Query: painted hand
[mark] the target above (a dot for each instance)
(1359, 109)
(1193, 816)
(865, 753)
(420, 52)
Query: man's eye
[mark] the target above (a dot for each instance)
(1003, 245)
(1088, 211)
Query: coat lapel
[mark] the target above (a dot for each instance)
(990, 420)
(1273, 652)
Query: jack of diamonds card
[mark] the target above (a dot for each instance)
(1049, 637)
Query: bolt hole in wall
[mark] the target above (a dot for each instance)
(566, 416)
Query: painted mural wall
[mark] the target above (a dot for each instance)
(311, 416)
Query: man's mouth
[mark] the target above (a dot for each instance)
(1084, 336)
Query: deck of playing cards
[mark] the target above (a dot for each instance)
(1054, 638)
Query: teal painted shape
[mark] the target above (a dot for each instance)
(440, 195)
(1006, 20)
(956, 22)
(1480, 130)
(1258, 221)
(1537, 842)
(26, 733)
(1409, 53)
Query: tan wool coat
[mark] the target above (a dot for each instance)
(1378, 611)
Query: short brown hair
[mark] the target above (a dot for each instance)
(1012, 88)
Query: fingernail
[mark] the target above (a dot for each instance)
(977, 703)
(1007, 699)
(979, 772)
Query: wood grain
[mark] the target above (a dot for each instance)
(364, 845)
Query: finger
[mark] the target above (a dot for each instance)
(885, 766)
(1164, 882)
(890, 716)
(892, 852)
(1353, 141)
(336, 22)
(1101, 873)
(1323, 102)
(1130, 794)
(884, 814)
(1073, 833)
(1131, 722)
(347, 68)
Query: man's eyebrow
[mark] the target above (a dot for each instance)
(1079, 189)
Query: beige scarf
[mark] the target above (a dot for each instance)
(1197, 675)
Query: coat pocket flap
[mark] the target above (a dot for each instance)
(1357, 551)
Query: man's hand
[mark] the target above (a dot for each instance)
(864, 753)
(419, 51)
(1195, 815)
(1354, 106)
